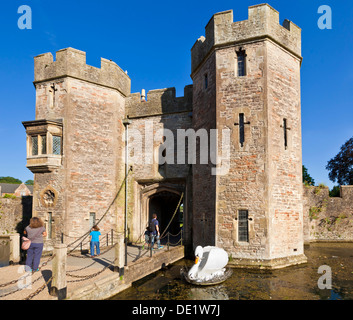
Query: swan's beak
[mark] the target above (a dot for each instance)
(196, 259)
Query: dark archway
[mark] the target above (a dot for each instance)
(164, 204)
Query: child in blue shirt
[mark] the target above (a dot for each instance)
(94, 238)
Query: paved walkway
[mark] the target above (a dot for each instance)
(81, 270)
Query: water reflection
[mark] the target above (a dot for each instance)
(292, 283)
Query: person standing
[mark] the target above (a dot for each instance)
(154, 227)
(34, 232)
(94, 238)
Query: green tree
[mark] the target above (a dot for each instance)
(10, 180)
(335, 191)
(307, 179)
(340, 167)
(29, 182)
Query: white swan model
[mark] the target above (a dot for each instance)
(210, 262)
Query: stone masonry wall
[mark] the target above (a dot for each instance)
(285, 163)
(328, 218)
(204, 183)
(244, 186)
(15, 214)
(162, 110)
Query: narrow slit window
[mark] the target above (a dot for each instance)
(243, 226)
(34, 145)
(285, 133)
(241, 125)
(206, 81)
(50, 225)
(241, 129)
(92, 219)
(241, 57)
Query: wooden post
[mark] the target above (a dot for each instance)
(58, 284)
(119, 255)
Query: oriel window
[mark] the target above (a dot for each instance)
(241, 57)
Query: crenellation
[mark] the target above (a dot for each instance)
(72, 63)
(158, 101)
(263, 22)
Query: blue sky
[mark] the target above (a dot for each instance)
(152, 41)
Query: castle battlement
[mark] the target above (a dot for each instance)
(72, 63)
(263, 22)
(159, 101)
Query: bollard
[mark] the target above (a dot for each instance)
(58, 284)
(119, 255)
(14, 248)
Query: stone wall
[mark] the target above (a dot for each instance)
(15, 214)
(328, 218)
(161, 111)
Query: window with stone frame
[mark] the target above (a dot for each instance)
(243, 226)
(241, 63)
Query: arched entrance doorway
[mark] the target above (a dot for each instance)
(164, 204)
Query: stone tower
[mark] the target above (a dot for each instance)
(75, 144)
(246, 78)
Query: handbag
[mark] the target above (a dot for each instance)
(26, 243)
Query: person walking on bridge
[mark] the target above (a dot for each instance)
(94, 240)
(154, 228)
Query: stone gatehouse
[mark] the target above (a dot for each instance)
(245, 86)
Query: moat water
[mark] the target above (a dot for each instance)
(291, 283)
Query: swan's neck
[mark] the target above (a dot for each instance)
(194, 270)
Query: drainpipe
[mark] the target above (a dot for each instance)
(126, 122)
